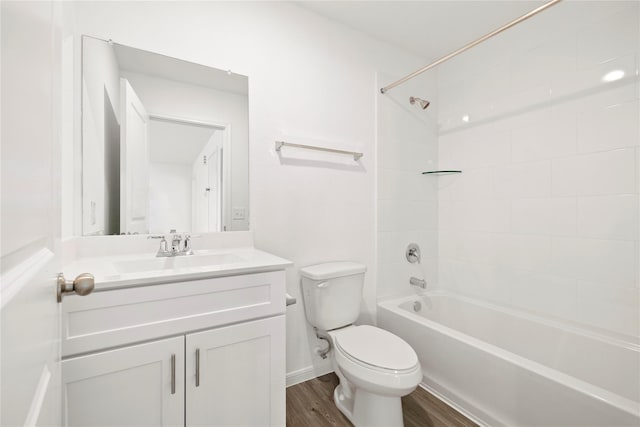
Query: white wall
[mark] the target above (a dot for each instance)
(169, 197)
(307, 75)
(545, 214)
(101, 138)
(407, 200)
(171, 98)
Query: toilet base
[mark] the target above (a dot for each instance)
(344, 404)
(367, 409)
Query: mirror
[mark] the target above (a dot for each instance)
(165, 144)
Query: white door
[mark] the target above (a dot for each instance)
(214, 189)
(30, 211)
(140, 385)
(199, 195)
(235, 375)
(134, 162)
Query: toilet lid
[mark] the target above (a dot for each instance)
(377, 347)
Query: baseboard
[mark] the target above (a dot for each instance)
(306, 374)
(464, 411)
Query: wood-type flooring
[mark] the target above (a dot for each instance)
(310, 404)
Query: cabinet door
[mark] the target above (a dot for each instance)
(239, 377)
(137, 385)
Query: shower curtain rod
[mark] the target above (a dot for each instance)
(470, 45)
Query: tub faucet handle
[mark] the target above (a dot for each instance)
(413, 253)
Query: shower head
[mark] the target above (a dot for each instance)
(421, 102)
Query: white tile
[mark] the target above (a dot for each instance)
(389, 216)
(614, 36)
(565, 261)
(531, 179)
(618, 308)
(539, 64)
(486, 283)
(531, 216)
(609, 128)
(564, 176)
(474, 183)
(398, 185)
(544, 294)
(563, 218)
(421, 216)
(609, 172)
(582, 93)
(476, 247)
(544, 140)
(490, 215)
(486, 146)
(608, 217)
(445, 215)
(526, 252)
(608, 260)
(451, 151)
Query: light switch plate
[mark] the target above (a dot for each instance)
(239, 213)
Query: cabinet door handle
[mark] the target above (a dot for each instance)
(197, 367)
(173, 374)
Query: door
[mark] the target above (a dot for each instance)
(214, 189)
(199, 195)
(140, 385)
(235, 375)
(134, 162)
(30, 211)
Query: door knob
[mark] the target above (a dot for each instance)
(82, 285)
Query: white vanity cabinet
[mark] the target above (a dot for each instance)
(205, 352)
(230, 375)
(135, 385)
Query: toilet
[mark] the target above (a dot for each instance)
(375, 367)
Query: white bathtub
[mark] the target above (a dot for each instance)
(503, 367)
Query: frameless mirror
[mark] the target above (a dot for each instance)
(165, 144)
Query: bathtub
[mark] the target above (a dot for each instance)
(503, 367)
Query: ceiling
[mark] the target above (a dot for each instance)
(176, 142)
(429, 29)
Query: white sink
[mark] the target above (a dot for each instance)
(175, 263)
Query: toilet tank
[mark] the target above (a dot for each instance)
(332, 293)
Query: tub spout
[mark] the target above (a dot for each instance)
(414, 281)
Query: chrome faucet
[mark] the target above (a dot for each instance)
(414, 281)
(175, 249)
(175, 244)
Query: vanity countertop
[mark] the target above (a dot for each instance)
(130, 270)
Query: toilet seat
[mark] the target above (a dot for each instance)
(376, 349)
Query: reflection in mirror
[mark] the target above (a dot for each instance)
(164, 144)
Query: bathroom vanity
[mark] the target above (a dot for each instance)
(194, 340)
(168, 337)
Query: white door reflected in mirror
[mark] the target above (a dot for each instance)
(134, 162)
(157, 151)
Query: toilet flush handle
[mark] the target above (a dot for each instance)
(323, 284)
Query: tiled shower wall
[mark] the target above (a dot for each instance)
(407, 212)
(545, 215)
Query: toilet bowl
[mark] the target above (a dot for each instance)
(375, 367)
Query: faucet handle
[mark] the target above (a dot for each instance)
(187, 245)
(163, 244)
